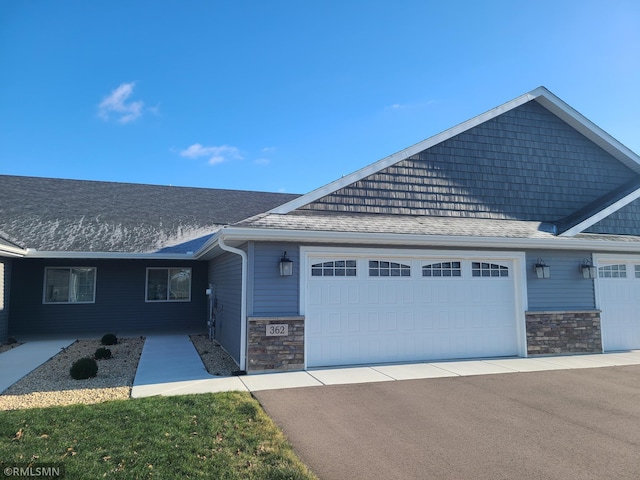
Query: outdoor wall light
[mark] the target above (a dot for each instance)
(286, 266)
(542, 270)
(588, 269)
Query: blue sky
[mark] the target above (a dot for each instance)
(289, 95)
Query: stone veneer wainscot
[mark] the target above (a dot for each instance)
(266, 354)
(563, 332)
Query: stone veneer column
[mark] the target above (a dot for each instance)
(275, 353)
(563, 332)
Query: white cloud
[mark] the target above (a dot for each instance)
(216, 155)
(116, 104)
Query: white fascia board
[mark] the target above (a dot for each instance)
(402, 155)
(601, 215)
(208, 245)
(7, 251)
(412, 240)
(31, 253)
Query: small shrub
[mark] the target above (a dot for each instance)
(11, 340)
(102, 354)
(109, 339)
(84, 368)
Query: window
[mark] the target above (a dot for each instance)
(337, 268)
(168, 284)
(388, 269)
(613, 271)
(479, 269)
(69, 285)
(442, 269)
(637, 271)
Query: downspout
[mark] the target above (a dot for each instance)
(243, 305)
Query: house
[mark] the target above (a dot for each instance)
(515, 233)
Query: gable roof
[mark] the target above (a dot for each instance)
(59, 215)
(609, 165)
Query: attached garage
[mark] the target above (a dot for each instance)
(618, 291)
(374, 307)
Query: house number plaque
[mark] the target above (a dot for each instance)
(277, 330)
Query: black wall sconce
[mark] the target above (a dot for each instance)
(588, 269)
(541, 269)
(286, 266)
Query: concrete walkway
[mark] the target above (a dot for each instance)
(170, 365)
(21, 360)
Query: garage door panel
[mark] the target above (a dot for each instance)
(374, 320)
(620, 303)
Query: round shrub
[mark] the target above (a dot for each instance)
(102, 354)
(84, 368)
(109, 339)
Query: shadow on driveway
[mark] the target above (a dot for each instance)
(568, 424)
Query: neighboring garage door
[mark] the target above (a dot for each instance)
(384, 309)
(619, 300)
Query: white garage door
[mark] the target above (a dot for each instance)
(386, 309)
(619, 296)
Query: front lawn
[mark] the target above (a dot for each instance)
(221, 436)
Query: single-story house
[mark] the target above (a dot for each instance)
(515, 233)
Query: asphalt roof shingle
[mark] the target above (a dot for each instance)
(77, 215)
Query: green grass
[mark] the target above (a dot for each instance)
(213, 436)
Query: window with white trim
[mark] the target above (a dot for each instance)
(168, 284)
(381, 268)
(442, 269)
(482, 269)
(69, 285)
(613, 271)
(336, 268)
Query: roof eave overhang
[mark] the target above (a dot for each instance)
(601, 215)
(31, 253)
(241, 235)
(7, 251)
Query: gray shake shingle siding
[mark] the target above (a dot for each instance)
(525, 164)
(75, 215)
(625, 221)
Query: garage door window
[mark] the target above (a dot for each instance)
(336, 268)
(481, 269)
(613, 271)
(442, 269)
(378, 268)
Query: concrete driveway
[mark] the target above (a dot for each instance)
(563, 424)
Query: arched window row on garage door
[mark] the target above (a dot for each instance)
(387, 268)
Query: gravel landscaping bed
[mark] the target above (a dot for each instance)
(51, 384)
(215, 358)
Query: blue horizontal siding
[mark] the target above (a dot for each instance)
(225, 275)
(566, 289)
(120, 304)
(273, 294)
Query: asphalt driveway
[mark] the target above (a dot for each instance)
(563, 424)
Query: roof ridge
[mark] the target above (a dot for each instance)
(136, 184)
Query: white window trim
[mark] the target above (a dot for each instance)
(168, 300)
(64, 267)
